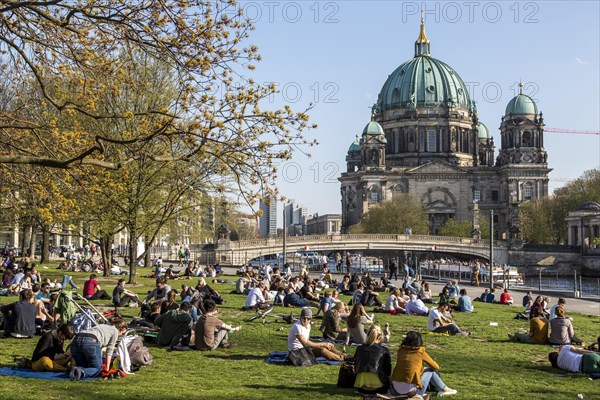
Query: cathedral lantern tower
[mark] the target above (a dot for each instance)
(522, 161)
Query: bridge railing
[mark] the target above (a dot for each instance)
(291, 240)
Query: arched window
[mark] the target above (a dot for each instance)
(527, 139)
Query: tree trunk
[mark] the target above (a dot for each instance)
(132, 253)
(32, 242)
(45, 245)
(105, 247)
(25, 239)
(147, 259)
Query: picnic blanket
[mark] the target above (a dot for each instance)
(28, 373)
(280, 357)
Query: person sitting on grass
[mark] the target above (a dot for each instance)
(410, 376)
(87, 345)
(552, 312)
(169, 303)
(175, 327)
(326, 303)
(425, 293)
(373, 364)
(330, 326)
(93, 291)
(416, 306)
(121, 297)
(574, 359)
(445, 297)
(370, 297)
(49, 354)
(206, 292)
(395, 303)
(256, 299)
(491, 296)
(211, 332)
(561, 329)
(483, 296)
(506, 298)
(356, 323)
(538, 332)
(160, 292)
(19, 317)
(300, 346)
(439, 322)
(464, 302)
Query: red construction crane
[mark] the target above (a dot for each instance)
(560, 130)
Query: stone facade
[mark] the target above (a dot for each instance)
(425, 139)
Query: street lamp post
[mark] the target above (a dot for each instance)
(284, 235)
(491, 249)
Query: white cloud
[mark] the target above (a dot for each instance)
(580, 61)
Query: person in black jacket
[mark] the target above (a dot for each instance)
(19, 317)
(373, 364)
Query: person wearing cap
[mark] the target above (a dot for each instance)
(299, 335)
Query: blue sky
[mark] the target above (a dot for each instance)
(339, 54)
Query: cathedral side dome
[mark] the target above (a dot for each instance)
(521, 104)
(482, 131)
(373, 128)
(354, 147)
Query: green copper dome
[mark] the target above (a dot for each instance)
(423, 81)
(354, 147)
(521, 104)
(373, 128)
(482, 131)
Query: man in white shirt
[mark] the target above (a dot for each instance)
(299, 335)
(255, 299)
(438, 323)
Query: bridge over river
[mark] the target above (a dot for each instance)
(238, 252)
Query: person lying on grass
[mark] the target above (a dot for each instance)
(299, 340)
(574, 359)
(410, 376)
(211, 332)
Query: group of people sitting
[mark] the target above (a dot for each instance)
(373, 363)
(547, 326)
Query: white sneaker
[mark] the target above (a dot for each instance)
(449, 392)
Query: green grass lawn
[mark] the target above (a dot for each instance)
(483, 366)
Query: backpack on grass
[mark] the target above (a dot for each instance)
(138, 353)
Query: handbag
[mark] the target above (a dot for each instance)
(302, 357)
(347, 375)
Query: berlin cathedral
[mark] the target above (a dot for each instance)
(425, 139)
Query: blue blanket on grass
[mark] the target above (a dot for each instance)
(28, 373)
(280, 358)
